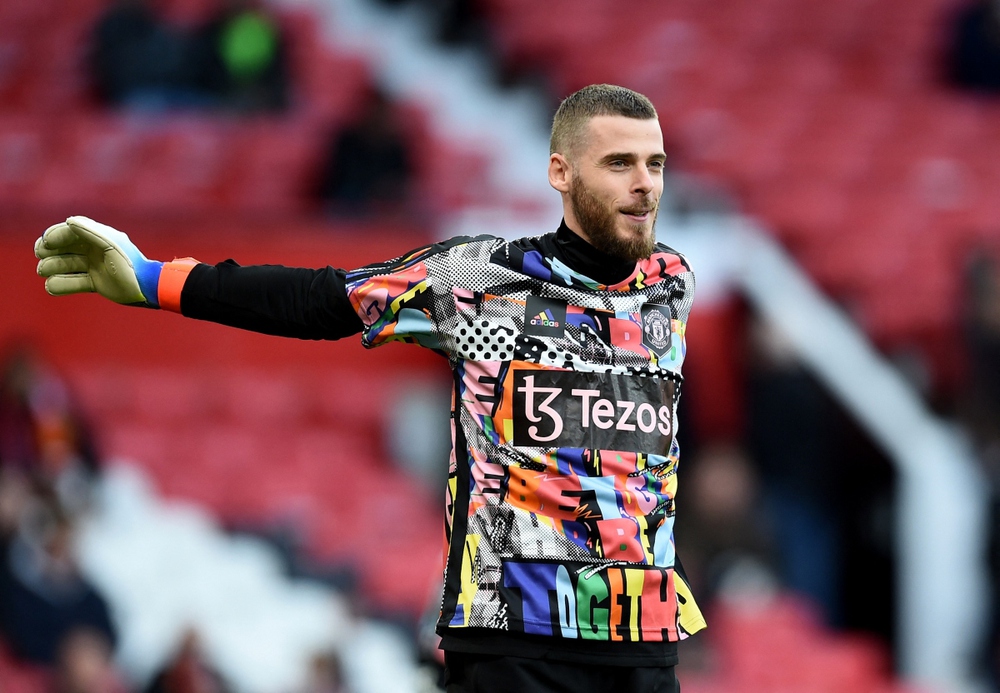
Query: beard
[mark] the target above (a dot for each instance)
(599, 221)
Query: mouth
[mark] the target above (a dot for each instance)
(637, 216)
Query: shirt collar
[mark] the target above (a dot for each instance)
(582, 257)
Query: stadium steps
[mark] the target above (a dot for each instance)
(272, 448)
(167, 566)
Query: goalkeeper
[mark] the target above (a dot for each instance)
(566, 349)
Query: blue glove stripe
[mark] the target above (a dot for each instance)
(147, 272)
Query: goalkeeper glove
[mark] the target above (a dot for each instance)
(82, 255)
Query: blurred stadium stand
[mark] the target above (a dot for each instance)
(827, 121)
(60, 149)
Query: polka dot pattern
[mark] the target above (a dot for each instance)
(482, 340)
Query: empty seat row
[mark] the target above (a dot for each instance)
(148, 162)
(340, 397)
(349, 504)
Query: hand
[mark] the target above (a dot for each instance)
(82, 255)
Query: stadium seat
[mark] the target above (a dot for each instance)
(97, 158)
(155, 448)
(24, 149)
(271, 167)
(168, 395)
(801, 207)
(255, 398)
(185, 164)
(350, 399)
(105, 390)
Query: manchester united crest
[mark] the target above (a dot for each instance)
(656, 328)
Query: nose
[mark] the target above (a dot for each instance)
(642, 182)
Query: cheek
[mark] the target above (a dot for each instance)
(609, 188)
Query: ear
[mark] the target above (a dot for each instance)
(559, 172)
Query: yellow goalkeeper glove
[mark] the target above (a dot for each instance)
(82, 255)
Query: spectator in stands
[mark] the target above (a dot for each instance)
(725, 542)
(15, 494)
(974, 54)
(367, 169)
(46, 597)
(84, 665)
(981, 400)
(188, 671)
(792, 444)
(457, 21)
(979, 410)
(240, 58)
(139, 60)
(45, 439)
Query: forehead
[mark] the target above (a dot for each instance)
(619, 134)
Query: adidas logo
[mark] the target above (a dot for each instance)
(545, 319)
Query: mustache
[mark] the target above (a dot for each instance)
(640, 208)
(637, 210)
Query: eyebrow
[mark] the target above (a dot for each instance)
(630, 156)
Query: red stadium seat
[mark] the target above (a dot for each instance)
(105, 390)
(255, 398)
(185, 166)
(155, 448)
(97, 159)
(169, 396)
(353, 399)
(24, 150)
(802, 207)
(271, 169)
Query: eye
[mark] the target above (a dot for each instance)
(618, 164)
(657, 165)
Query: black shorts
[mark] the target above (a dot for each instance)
(476, 673)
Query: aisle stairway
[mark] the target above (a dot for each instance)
(166, 566)
(282, 449)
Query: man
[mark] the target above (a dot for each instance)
(566, 351)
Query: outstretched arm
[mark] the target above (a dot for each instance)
(82, 255)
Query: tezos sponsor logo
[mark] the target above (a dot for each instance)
(591, 410)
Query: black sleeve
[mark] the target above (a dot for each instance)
(283, 301)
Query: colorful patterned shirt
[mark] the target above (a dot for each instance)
(563, 473)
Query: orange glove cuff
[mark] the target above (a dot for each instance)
(172, 278)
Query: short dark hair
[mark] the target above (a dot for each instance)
(578, 108)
